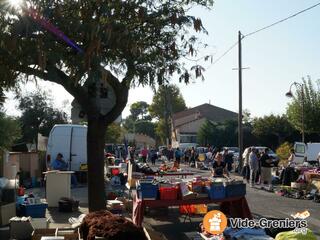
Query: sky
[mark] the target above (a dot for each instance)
(275, 57)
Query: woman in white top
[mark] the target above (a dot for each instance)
(291, 158)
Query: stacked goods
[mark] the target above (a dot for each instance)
(235, 189)
(168, 192)
(115, 206)
(33, 207)
(148, 189)
(216, 190)
(299, 184)
(185, 192)
(110, 227)
(68, 205)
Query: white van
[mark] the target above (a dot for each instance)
(306, 152)
(71, 141)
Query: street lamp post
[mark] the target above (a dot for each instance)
(289, 94)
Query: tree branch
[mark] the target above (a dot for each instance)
(121, 91)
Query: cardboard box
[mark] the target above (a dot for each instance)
(56, 233)
(39, 223)
(20, 228)
(7, 211)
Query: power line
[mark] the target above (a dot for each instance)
(261, 29)
(282, 20)
(225, 53)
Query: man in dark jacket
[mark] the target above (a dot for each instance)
(266, 166)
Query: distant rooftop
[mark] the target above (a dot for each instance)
(209, 112)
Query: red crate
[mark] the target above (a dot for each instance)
(168, 193)
(115, 171)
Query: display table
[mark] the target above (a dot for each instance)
(236, 207)
(58, 185)
(172, 174)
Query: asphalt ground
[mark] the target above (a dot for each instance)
(261, 203)
(174, 226)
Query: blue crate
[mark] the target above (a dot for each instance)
(34, 210)
(216, 191)
(236, 190)
(148, 190)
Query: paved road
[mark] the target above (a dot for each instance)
(261, 203)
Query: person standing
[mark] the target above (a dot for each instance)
(187, 153)
(266, 161)
(228, 159)
(254, 166)
(246, 168)
(291, 162)
(193, 157)
(178, 155)
(153, 156)
(170, 154)
(144, 153)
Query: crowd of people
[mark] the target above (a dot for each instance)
(218, 159)
(257, 167)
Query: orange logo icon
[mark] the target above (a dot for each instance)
(215, 222)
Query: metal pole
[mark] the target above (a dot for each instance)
(302, 112)
(240, 133)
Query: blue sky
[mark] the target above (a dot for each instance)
(276, 57)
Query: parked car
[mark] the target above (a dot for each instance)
(306, 153)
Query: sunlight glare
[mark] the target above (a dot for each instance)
(15, 3)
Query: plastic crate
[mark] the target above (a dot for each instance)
(115, 171)
(236, 190)
(34, 210)
(148, 190)
(168, 193)
(216, 191)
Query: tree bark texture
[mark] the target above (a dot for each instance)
(95, 153)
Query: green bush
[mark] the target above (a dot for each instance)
(283, 152)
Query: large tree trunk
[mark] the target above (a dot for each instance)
(95, 148)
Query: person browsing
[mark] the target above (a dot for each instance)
(219, 168)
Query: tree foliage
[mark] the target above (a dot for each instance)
(168, 99)
(283, 151)
(139, 110)
(218, 134)
(139, 121)
(38, 115)
(145, 127)
(311, 96)
(10, 131)
(78, 44)
(114, 133)
(273, 130)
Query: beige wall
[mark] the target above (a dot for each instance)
(185, 119)
(140, 140)
(192, 127)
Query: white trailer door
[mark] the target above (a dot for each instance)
(300, 152)
(78, 147)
